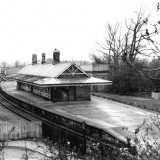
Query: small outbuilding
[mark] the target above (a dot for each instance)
(58, 81)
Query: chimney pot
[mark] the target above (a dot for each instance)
(34, 59)
(43, 58)
(56, 56)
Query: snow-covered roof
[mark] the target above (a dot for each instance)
(42, 81)
(44, 70)
(72, 81)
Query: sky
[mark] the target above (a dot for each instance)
(71, 26)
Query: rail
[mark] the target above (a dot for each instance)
(3, 102)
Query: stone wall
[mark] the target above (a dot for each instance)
(58, 94)
(72, 93)
(44, 92)
(82, 93)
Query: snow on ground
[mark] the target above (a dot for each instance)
(21, 149)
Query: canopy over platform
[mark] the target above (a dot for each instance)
(48, 82)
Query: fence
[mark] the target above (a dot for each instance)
(20, 130)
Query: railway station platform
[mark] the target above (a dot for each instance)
(118, 119)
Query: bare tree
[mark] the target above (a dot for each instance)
(139, 41)
(136, 41)
(112, 48)
(4, 64)
(17, 63)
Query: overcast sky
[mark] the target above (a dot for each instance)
(71, 26)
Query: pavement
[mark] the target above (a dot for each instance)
(121, 120)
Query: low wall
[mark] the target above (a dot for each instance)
(20, 130)
(156, 95)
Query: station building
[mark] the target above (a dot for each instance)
(58, 81)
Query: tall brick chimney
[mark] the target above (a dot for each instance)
(56, 56)
(34, 59)
(43, 58)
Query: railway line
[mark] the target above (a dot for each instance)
(4, 102)
(10, 106)
(57, 126)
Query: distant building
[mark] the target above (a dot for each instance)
(96, 70)
(9, 70)
(57, 81)
(99, 71)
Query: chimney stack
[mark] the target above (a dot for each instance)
(56, 56)
(43, 58)
(34, 59)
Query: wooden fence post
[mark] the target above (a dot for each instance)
(84, 136)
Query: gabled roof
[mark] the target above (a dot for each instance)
(72, 70)
(47, 70)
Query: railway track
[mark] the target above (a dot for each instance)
(12, 108)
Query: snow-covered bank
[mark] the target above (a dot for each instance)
(31, 149)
